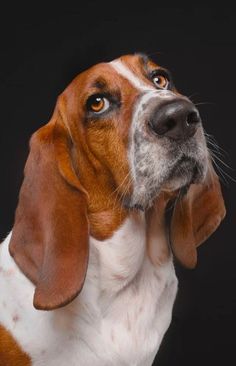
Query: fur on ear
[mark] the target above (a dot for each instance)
(196, 216)
(50, 234)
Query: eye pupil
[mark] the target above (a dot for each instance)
(97, 104)
(161, 81)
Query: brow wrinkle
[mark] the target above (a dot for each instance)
(99, 84)
(144, 59)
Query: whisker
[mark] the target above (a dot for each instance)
(123, 195)
(192, 95)
(215, 149)
(222, 172)
(217, 157)
(212, 141)
(204, 103)
(117, 195)
(121, 184)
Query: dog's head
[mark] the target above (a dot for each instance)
(121, 137)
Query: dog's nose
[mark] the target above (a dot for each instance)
(177, 120)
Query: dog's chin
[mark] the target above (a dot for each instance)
(184, 173)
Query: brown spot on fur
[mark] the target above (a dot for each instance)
(140, 310)
(118, 277)
(15, 318)
(112, 336)
(10, 352)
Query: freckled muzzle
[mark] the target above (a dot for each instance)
(167, 146)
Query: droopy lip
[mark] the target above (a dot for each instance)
(189, 168)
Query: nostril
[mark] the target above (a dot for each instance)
(192, 118)
(170, 123)
(163, 126)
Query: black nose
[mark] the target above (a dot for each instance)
(177, 120)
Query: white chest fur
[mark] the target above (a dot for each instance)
(119, 317)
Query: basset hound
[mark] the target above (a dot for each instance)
(87, 274)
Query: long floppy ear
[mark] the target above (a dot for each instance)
(196, 216)
(50, 234)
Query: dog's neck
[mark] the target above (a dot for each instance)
(141, 237)
(105, 222)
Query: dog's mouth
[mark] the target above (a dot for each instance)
(185, 171)
(176, 169)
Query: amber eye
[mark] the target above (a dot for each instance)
(161, 81)
(98, 104)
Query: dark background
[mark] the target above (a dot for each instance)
(41, 50)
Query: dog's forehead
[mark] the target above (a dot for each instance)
(134, 69)
(131, 69)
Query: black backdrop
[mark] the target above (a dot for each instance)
(41, 50)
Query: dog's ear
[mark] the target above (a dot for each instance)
(196, 216)
(50, 234)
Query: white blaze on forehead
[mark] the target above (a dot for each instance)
(123, 70)
(138, 83)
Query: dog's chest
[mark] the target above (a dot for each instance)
(134, 298)
(119, 318)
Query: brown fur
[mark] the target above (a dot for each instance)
(196, 216)
(10, 352)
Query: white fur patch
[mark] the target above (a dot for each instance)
(124, 71)
(118, 319)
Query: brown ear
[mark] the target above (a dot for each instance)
(196, 216)
(50, 235)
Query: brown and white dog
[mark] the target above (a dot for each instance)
(90, 240)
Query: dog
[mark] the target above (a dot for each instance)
(87, 273)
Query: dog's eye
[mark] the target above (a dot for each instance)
(98, 104)
(160, 81)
